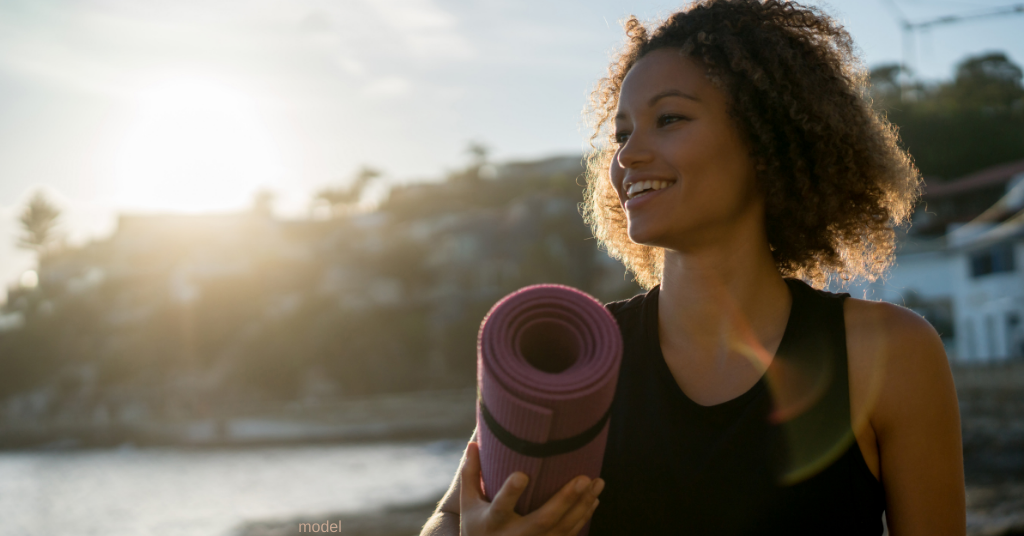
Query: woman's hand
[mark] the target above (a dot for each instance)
(563, 515)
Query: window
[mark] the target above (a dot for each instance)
(993, 260)
(990, 338)
(1013, 342)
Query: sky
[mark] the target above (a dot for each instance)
(115, 106)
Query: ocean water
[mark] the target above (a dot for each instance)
(182, 492)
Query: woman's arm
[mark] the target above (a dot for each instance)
(445, 521)
(441, 524)
(913, 413)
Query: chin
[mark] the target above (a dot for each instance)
(643, 235)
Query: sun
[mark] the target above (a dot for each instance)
(194, 146)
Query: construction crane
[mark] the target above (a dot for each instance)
(910, 27)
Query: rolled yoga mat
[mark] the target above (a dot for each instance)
(547, 364)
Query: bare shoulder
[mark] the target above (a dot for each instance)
(889, 324)
(902, 394)
(898, 358)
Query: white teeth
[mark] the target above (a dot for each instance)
(642, 187)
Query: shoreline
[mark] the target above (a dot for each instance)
(394, 417)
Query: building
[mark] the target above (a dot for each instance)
(961, 264)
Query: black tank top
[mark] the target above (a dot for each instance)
(673, 466)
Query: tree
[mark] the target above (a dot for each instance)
(478, 156)
(885, 80)
(890, 83)
(341, 200)
(39, 220)
(263, 203)
(987, 83)
(959, 126)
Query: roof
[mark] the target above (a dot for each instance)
(993, 176)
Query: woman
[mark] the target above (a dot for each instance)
(743, 158)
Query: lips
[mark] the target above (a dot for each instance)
(641, 187)
(640, 192)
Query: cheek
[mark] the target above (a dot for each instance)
(720, 167)
(616, 174)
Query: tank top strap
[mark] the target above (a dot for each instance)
(809, 381)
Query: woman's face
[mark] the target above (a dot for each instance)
(682, 170)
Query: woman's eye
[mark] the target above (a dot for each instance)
(621, 137)
(668, 119)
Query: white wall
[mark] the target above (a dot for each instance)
(929, 274)
(984, 307)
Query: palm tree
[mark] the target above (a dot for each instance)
(341, 200)
(39, 220)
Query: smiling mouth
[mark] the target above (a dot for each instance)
(641, 188)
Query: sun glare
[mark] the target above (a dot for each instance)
(194, 146)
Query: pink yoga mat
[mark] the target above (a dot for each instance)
(547, 364)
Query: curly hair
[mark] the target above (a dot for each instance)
(834, 179)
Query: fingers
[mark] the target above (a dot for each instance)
(507, 497)
(583, 520)
(470, 493)
(582, 509)
(566, 512)
(553, 512)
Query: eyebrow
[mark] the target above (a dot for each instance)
(671, 93)
(664, 94)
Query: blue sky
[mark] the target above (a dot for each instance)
(191, 105)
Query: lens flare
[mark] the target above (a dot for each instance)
(812, 416)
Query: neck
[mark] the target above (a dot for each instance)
(726, 288)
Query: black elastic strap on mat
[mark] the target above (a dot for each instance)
(541, 450)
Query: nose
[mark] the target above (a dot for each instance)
(633, 153)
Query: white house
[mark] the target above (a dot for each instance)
(968, 281)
